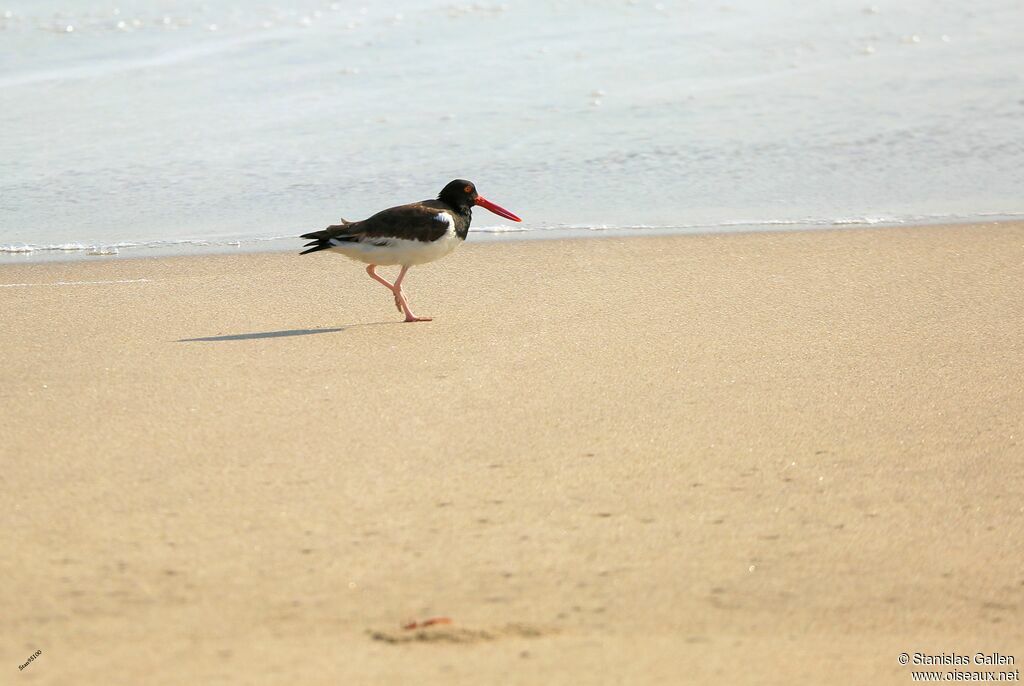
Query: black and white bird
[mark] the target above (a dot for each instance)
(416, 233)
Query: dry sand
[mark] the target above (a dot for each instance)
(767, 458)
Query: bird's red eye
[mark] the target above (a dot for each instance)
(468, 189)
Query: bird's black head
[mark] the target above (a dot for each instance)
(460, 194)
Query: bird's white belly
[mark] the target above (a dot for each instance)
(399, 250)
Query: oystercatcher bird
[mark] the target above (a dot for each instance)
(416, 233)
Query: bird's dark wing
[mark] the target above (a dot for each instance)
(416, 222)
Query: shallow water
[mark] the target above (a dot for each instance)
(145, 124)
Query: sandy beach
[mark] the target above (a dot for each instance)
(775, 458)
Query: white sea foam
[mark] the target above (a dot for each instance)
(73, 283)
(185, 244)
(288, 242)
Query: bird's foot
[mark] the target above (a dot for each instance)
(403, 304)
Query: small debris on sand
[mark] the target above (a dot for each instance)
(446, 633)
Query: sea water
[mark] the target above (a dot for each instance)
(139, 124)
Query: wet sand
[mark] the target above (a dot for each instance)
(764, 458)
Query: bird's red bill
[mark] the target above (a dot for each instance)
(497, 209)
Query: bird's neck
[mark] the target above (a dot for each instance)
(463, 217)
(464, 211)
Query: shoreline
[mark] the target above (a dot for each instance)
(21, 253)
(762, 458)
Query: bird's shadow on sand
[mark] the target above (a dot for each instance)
(274, 334)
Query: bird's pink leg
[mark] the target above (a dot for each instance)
(379, 279)
(402, 302)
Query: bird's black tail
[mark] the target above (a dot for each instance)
(321, 240)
